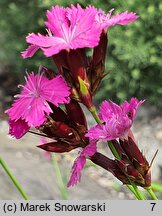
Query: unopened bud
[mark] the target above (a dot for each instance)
(97, 64)
(85, 95)
(57, 146)
(76, 113)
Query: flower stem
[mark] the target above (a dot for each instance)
(138, 192)
(130, 187)
(152, 194)
(60, 181)
(95, 115)
(156, 187)
(113, 150)
(18, 186)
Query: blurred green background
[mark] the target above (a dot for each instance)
(134, 57)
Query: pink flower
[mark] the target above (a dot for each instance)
(32, 105)
(18, 128)
(68, 28)
(105, 20)
(79, 163)
(117, 120)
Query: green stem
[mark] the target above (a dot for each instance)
(18, 186)
(95, 115)
(156, 187)
(152, 194)
(59, 179)
(130, 187)
(134, 188)
(138, 192)
(113, 150)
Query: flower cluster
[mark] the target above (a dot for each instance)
(70, 31)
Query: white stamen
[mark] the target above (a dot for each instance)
(17, 96)
(24, 88)
(49, 32)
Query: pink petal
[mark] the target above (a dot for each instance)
(79, 163)
(31, 110)
(90, 149)
(97, 132)
(30, 51)
(107, 109)
(85, 32)
(57, 91)
(43, 41)
(76, 171)
(57, 21)
(49, 44)
(35, 115)
(124, 18)
(131, 107)
(50, 51)
(18, 128)
(78, 17)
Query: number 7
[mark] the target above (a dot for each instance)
(153, 205)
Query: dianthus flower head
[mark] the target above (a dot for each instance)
(68, 28)
(31, 106)
(117, 120)
(79, 163)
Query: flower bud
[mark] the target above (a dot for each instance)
(67, 128)
(85, 95)
(75, 113)
(132, 163)
(61, 131)
(137, 159)
(109, 165)
(77, 66)
(97, 64)
(57, 146)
